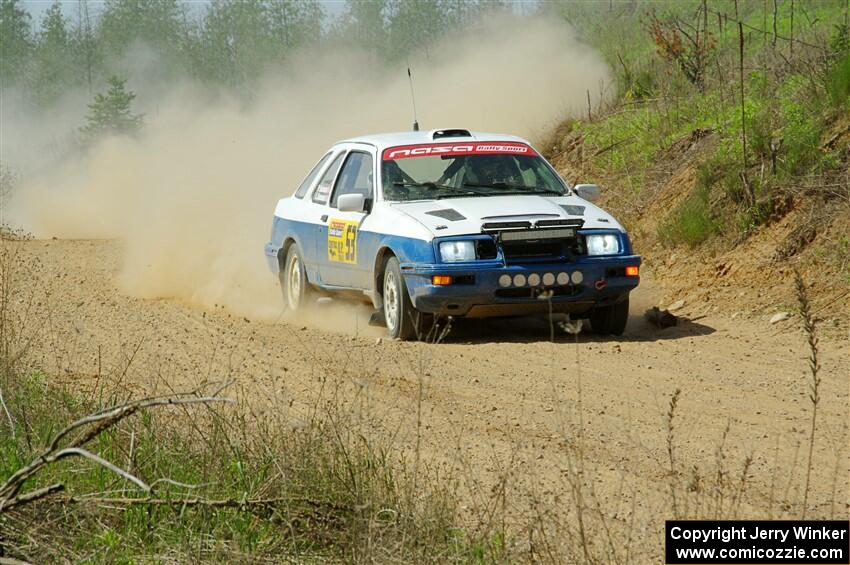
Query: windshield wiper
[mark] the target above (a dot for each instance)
(434, 186)
(521, 187)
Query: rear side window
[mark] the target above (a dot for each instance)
(308, 181)
(357, 176)
(320, 195)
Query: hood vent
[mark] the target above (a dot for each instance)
(447, 214)
(573, 210)
(561, 223)
(488, 227)
(496, 227)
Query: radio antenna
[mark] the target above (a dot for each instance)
(413, 98)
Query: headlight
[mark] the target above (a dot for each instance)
(603, 244)
(457, 251)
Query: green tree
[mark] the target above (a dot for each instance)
(236, 40)
(364, 23)
(85, 51)
(154, 23)
(53, 58)
(293, 23)
(15, 41)
(111, 113)
(464, 12)
(414, 24)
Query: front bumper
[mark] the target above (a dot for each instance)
(479, 289)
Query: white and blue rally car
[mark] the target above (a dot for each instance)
(451, 223)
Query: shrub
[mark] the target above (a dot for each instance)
(756, 215)
(838, 82)
(691, 222)
(801, 130)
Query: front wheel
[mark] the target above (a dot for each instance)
(610, 320)
(399, 313)
(293, 281)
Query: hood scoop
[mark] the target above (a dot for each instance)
(573, 210)
(447, 214)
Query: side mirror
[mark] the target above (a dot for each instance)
(351, 203)
(589, 192)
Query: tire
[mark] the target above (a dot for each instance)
(293, 281)
(400, 316)
(610, 320)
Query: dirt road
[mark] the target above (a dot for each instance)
(493, 392)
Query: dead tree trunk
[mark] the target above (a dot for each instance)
(775, 10)
(748, 191)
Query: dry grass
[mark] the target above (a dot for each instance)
(211, 484)
(261, 483)
(814, 370)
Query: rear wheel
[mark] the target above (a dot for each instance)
(293, 281)
(610, 320)
(399, 314)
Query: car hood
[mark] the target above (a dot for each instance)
(463, 216)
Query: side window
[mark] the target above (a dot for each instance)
(308, 181)
(320, 195)
(356, 176)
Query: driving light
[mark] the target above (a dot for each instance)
(603, 244)
(457, 251)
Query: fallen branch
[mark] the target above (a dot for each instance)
(34, 495)
(195, 501)
(610, 147)
(100, 421)
(12, 561)
(199, 501)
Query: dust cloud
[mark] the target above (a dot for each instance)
(192, 197)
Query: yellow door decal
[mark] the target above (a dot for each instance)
(342, 241)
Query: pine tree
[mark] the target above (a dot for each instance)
(110, 113)
(15, 41)
(53, 59)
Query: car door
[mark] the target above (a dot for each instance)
(345, 265)
(318, 213)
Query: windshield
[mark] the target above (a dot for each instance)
(424, 172)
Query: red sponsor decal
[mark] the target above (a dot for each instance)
(452, 149)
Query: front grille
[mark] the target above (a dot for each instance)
(543, 240)
(540, 233)
(534, 250)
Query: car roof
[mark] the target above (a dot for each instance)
(443, 135)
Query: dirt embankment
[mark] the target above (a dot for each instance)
(497, 399)
(746, 277)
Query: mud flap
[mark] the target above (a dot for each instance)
(377, 319)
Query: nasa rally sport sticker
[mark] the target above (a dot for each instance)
(342, 241)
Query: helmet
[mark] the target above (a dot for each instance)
(492, 169)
